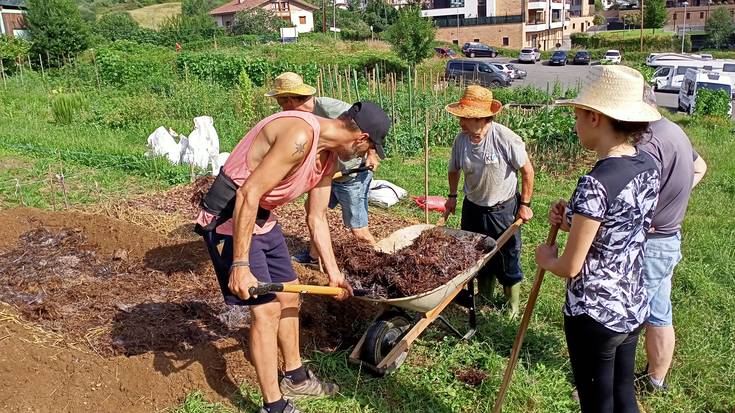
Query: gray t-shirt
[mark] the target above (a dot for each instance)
(670, 148)
(490, 167)
(332, 108)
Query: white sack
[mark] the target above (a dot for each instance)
(203, 143)
(219, 162)
(161, 143)
(385, 194)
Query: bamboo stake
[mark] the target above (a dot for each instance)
(43, 72)
(339, 83)
(320, 82)
(380, 93)
(410, 102)
(426, 168)
(51, 188)
(2, 72)
(21, 71)
(19, 192)
(348, 79)
(30, 67)
(357, 85)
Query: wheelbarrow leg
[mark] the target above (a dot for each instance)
(466, 299)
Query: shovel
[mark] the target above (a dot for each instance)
(443, 219)
(265, 288)
(350, 171)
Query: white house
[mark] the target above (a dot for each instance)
(299, 13)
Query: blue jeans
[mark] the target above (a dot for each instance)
(659, 260)
(352, 196)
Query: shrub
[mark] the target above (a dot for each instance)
(12, 49)
(712, 103)
(719, 28)
(57, 29)
(65, 108)
(657, 42)
(257, 21)
(246, 88)
(181, 28)
(117, 26)
(124, 62)
(412, 36)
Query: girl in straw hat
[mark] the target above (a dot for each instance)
(490, 156)
(607, 218)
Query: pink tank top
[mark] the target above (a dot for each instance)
(306, 177)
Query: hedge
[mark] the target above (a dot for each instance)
(658, 42)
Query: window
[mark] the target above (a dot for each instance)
(477, 40)
(302, 19)
(701, 15)
(468, 66)
(574, 25)
(674, 16)
(682, 70)
(663, 71)
(455, 66)
(506, 41)
(486, 69)
(688, 15)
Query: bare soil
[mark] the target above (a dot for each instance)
(102, 314)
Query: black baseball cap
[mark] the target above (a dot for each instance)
(373, 120)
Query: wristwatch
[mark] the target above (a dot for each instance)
(527, 204)
(452, 196)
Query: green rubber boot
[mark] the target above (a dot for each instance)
(486, 289)
(513, 297)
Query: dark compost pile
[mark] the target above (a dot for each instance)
(433, 259)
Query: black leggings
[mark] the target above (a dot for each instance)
(603, 363)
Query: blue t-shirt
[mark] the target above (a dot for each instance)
(621, 193)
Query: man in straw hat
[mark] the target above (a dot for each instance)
(491, 155)
(681, 169)
(350, 189)
(284, 156)
(608, 218)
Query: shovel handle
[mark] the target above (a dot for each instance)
(340, 174)
(266, 288)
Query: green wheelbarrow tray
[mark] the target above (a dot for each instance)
(384, 346)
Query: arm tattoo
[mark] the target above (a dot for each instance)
(300, 146)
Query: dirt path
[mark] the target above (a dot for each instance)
(101, 314)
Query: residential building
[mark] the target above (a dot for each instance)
(298, 12)
(12, 23)
(697, 12)
(510, 23)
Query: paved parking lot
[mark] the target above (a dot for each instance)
(541, 75)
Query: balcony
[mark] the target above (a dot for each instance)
(536, 26)
(451, 21)
(534, 5)
(556, 25)
(451, 11)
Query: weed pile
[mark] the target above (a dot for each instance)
(470, 376)
(433, 259)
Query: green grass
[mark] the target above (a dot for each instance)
(104, 149)
(634, 33)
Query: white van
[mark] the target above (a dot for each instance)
(670, 73)
(695, 80)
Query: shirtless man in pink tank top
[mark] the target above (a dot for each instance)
(281, 158)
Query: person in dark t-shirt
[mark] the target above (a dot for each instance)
(608, 217)
(681, 168)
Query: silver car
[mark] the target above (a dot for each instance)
(529, 55)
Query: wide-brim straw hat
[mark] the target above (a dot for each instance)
(614, 91)
(476, 102)
(290, 84)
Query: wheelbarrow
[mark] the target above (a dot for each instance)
(384, 346)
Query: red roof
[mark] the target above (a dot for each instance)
(241, 5)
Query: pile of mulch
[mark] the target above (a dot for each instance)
(470, 376)
(433, 259)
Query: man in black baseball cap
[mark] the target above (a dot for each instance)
(373, 120)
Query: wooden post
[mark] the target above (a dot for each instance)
(51, 188)
(348, 79)
(2, 73)
(357, 85)
(339, 82)
(426, 168)
(43, 72)
(320, 82)
(410, 102)
(20, 68)
(379, 84)
(30, 66)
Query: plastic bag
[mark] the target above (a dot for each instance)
(219, 162)
(385, 194)
(435, 203)
(202, 144)
(162, 143)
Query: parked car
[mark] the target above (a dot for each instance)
(446, 52)
(582, 57)
(558, 58)
(520, 73)
(529, 55)
(612, 57)
(476, 71)
(696, 80)
(474, 49)
(505, 68)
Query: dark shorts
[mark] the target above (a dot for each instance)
(493, 221)
(270, 262)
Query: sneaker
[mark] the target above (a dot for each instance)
(312, 387)
(290, 408)
(645, 385)
(306, 259)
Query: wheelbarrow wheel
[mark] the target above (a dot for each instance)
(382, 336)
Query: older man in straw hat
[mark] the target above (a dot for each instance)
(350, 189)
(491, 155)
(281, 158)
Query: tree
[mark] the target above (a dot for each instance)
(632, 19)
(258, 21)
(654, 14)
(351, 24)
(412, 36)
(117, 26)
(380, 15)
(57, 29)
(598, 20)
(196, 7)
(180, 29)
(719, 28)
(599, 8)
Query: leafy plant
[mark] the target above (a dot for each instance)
(712, 103)
(12, 49)
(57, 29)
(66, 107)
(245, 88)
(719, 28)
(117, 26)
(412, 36)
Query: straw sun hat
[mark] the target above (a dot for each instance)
(290, 84)
(614, 91)
(476, 102)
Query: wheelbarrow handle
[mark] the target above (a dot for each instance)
(265, 288)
